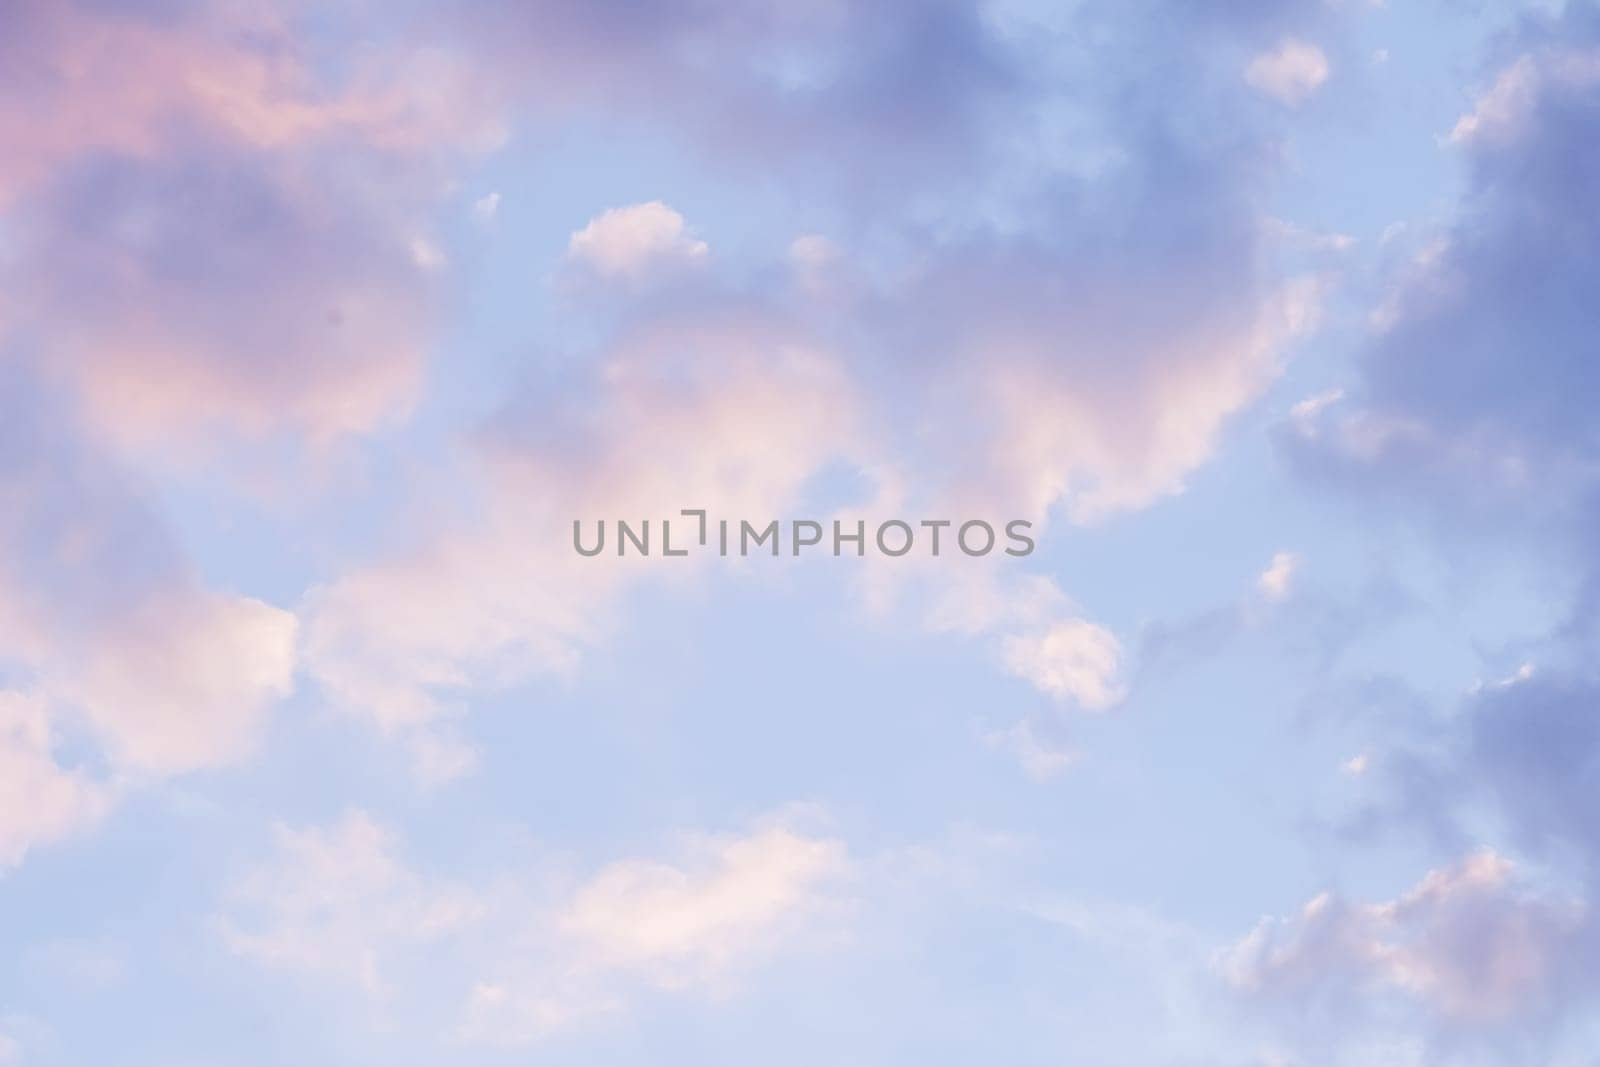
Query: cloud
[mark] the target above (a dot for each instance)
(734, 412)
(1474, 955)
(219, 298)
(1529, 746)
(1073, 660)
(1041, 757)
(524, 955)
(1290, 73)
(826, 86)
(1475, 390)
(109, 620)
(40, 800)
(184, 680)
(1503, 111)
(1060, 385)
(117, 649)
(687, 924)
(486, 207)
(695, 925)
(209, 235)
(1474, 404)
(1072, 350)
(339, 901)
(1467, 944)
(632, 242)
(1275, 582)
(83, 79)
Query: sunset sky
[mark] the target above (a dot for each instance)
(321, 323)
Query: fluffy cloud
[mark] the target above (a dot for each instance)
(534, 954)
(1529, 747)
(630, 242)
(109, 621)
(114, 644)
(1076, 409)
(1276, 581)
(1474, 399)
(1290, 73)
(1503, 111)
(693, 925)
(232, 253)
(172, 682)
(1474, 957)
(1074, 660)
(184, 680)
(245, 229)
(1476, 396)
(219, 297)
(40, 801)
(825, 85)
(1072, 348)
(689, 924)
(339, 901)
(208, 234)
(735, 414)
(89, 79)
(1468, 944)
(1477, 379)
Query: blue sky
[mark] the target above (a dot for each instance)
(321, 324)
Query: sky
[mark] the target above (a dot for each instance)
(1274, 320)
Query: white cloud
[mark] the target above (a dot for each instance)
(1306, 412)
(734, 416)
(1276, 581)
(1074, 660)
(738, 410)
(1501, 111)
(527, 954)
(155, 673)
(186, 683)
(1467, 943)
(339, 901)
(1099, 447)
(486, 207)
(631, 242)
(1523, 673)
(691, 925)
(101, 609)
(729, 898)
(1040, 758)
(426, 255)
(40, 801)
(317, 326)
(1291, 73)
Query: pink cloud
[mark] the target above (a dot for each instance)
(733, 413)
(211, 233)
(1467, 943)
